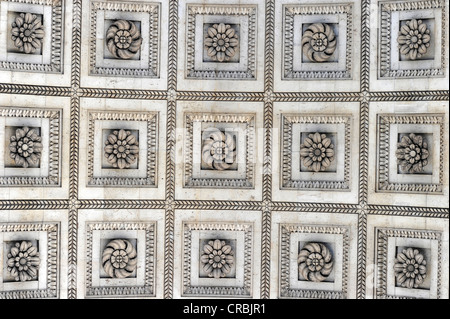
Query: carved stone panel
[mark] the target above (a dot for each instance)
(409, 263)
(122, 149)
(30, 147)
(318, 42)
(30, 259)
(412, 39)
(314, 261)
(124, 39)
(217, 259)
(33, 35)
(120, 259)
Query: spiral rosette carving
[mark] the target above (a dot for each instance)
(222, 41)
(23, 261)
(25, 147)
(219, 150)
(121, 149)
(410, 268)
(217, 258)
(315, 262)
(27, 32)
(319, 42)
(123, 39)
(414, 39)
(119, 258)
(317, 152)
(412, 153)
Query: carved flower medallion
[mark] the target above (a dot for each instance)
(27, 32)
(219, 150)
(121, 149)
(412, 153)
(221, 42)
(410, 268)
(119, 258)
(319, 42)
(317, 152)
(217, 258)
(315, 262)
(25, 147)
(123, 39)
(414, 39)
(23, 261)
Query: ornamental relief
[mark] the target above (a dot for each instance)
(25, 147)
(23, 261)
(27, 32)
(123, 39)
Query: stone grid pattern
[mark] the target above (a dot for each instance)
(266, 206)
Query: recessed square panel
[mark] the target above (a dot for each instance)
(314, 261)
(33, 36)
(30, 260)
(316, 152)
(125, 39)
(30, 147)
(411, 41)
(206, 245)
(414, 153)
(123, 149)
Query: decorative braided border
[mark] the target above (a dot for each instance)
(148, 287)
(52, 289)
(153, 9)
(246, 289)
(382, 236)
(285, 241)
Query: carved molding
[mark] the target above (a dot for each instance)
(218, 288)
(290, 28)
(287, 180)
(223, 13)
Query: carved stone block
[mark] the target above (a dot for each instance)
(318, 41)
(30, 147)
(220, 42)
(30, 259)
(411, 153)
(120, 259)
(204, 243)
(219, 150)
(412, 39)
(125, 39)
(316, 152)
(122, 149)
(409, 263)
(314, 261)
(33, 35)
